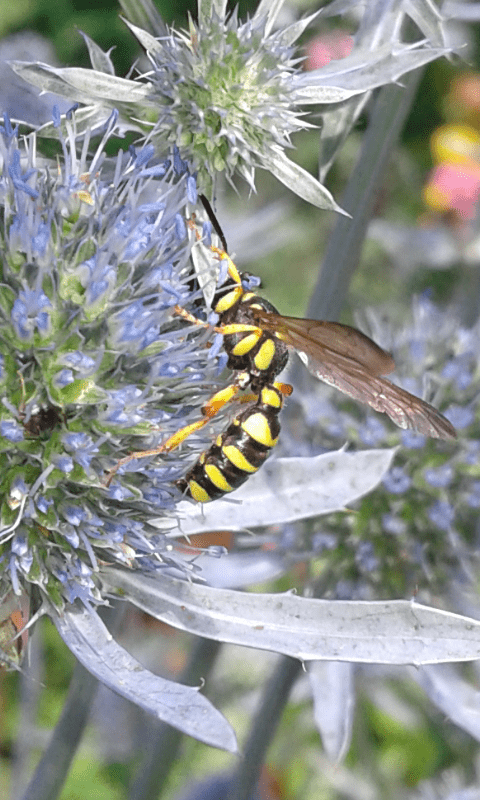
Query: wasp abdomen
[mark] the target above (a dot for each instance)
(238, 452)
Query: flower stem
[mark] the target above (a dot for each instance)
(341, 258)
(275, 698)
(163, 743)
(51, 772)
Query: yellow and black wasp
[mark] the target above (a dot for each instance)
(257, 339)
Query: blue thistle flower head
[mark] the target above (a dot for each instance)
(227, 86)
(421, 522)
(93, 363)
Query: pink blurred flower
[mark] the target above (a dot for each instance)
(454, 187)
(463, 98)
(328, 47)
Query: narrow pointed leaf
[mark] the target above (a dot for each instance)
(289, 489)
(326, 95)
(269, 9)
(207, 7)
(300, 181)
(148, 42)
(144, 14)
(391, 632)
(332, 684)
(459, 700)
(429, 20)
(365, 69)
(100, 60)
(181, 706)
(83, 85)
(290, 35)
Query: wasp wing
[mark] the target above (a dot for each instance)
(345, 358)
(332, 339)
(403, 408)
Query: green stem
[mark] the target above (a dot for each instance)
(164, 742)
(275, 698)
(53, 768)
(344, 247)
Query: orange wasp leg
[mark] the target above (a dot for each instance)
(209, 410)
(170, 444)
(226, 330)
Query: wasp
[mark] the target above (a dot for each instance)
(257, 340)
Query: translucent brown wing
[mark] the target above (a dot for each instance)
(351, 362)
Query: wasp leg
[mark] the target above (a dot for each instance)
(284, 388)
(170, 444)
(226, 330)
(209, 410)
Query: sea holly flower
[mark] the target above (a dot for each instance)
(421, 519)
(231, 94)
(95, 254)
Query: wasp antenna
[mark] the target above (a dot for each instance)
(213, 219)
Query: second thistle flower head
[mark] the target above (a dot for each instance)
(227, 88)
(93, 364)
(230, 94)
(419, 530)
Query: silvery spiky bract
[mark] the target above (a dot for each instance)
(230, 94)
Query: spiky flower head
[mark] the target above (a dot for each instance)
(94, 255)
(226, 87)
(419, 530)
(231, 94)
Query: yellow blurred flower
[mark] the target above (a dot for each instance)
(455, 143)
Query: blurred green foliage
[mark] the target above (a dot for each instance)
(60, 21)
